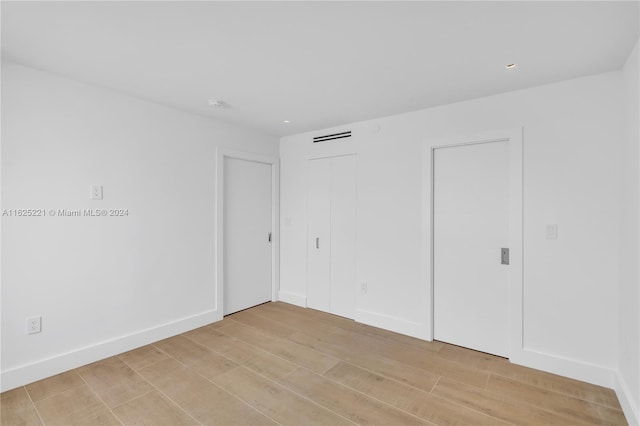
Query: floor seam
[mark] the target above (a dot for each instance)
(367, 369)
(298, 394)
(33, 404)
(434, 385)
(371, 397)
(99, 397)
(238, 397)
(163, 394)
(211, 381)
(273, 353)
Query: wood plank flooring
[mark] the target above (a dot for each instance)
(282, 364)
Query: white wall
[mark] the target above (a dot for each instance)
(108, 284)
(572, 149)
(629, 297)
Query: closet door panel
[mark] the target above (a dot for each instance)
(343, 235)
(319, 235)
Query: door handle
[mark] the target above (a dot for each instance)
(269, 236)
(504, 256)
(317, 242)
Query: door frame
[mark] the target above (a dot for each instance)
(514, 136)
(221, 155)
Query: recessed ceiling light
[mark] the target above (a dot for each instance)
(511, 66)
(286, 121)
(216, 103)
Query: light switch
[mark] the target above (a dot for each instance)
(95, 192)
(287, 222)
(552, 232)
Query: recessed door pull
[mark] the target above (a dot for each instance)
(504, 256)
(317, 242)
(269, 236)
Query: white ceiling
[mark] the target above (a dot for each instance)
(318, 64)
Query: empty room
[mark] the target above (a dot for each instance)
(320, 213)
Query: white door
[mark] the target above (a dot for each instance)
(470, 226)
(343, 236)
(247, 229)
(331, 285)
(319, 235)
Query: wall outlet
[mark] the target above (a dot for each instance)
(551, 232)
(95, 192)
(34, 325)
(364, 287)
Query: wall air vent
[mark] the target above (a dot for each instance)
(326, 138)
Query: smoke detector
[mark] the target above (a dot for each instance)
(215, 103)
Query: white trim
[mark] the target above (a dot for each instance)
(29, 373)
(324, 156)
(515, 138)
(391, 323)
(293, 298)
(567, 367)
(221, 154)
(629, 406)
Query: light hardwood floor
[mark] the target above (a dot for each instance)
(281, 364)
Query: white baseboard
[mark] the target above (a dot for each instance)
(391, 323)
(567, 367)
(629, 406)
(293, 298)
(59, 363)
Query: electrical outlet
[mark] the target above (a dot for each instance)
(364, 287)
(95, 192)
(34, 325)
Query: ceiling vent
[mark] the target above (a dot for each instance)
(326, 138)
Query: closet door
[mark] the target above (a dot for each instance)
(343, 236)
(332, 239)
(319, 235)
